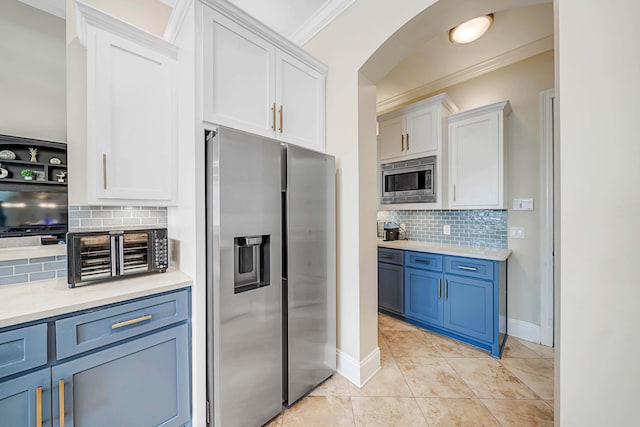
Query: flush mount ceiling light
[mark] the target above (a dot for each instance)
(471, 30)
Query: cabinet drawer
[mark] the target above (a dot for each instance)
(92, 330)
(23, 349)
(390, 256)
(423, 260)
(469, 267)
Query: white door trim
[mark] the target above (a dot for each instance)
(546, 217)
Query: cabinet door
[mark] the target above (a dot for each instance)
(392, 138)
(468, 307)
(476, 162)
(422, 131)
(26, 401)
(239, 77)
(144, 382)
(300, 103)
(131, 122)
(390, 287)
(423, 295)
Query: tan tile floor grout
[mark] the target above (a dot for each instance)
(430, 380)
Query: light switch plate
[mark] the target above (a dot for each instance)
(446, 230)
(523, 204)
(516, 232)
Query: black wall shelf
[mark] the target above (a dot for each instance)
(46, 151)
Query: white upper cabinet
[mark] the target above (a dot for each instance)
(131, 114)
(477, 153)
(239, 75)
(301, 89)
(257, 81)
(416, 130)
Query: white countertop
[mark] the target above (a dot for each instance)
(445, 249)
(8, 254)
(24, 302)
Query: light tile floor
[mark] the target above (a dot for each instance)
(429, 380)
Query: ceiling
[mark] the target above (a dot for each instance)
(516, 35)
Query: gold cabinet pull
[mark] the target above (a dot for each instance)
(407, 142)
(439, 288)
(402, 139)
(104, 171)
(281, 120)
(61, 398)
(132, 321)
(39, 407)
(274, 116)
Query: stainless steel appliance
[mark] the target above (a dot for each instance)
(409, 181)
(110, 254)
(271, 309)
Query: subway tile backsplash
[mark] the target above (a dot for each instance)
(88, 216)
(32, 269)
(486, 228)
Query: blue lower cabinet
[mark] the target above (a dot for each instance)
(26, 401)
(144, 382)
(423, 296)
(390, 287)
(462, 298)
(468, 307)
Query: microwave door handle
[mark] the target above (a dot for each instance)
(121, 253)
(114, 271)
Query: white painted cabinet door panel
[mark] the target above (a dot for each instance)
(131, 122)
(476, 162)
(239, 76)
(422, 131)
(300, 103)
(392, 138)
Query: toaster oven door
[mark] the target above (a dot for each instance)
(94, 257)
(135, 250)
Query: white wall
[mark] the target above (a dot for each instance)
(521, 84)
(598, 69)
(32, 73)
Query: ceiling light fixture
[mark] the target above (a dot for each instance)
(471, 30)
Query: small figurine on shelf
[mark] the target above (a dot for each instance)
(34, 153)
(61, 176)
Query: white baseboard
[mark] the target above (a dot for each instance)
(524, 330)
(359, 373)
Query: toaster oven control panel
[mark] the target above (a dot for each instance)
(161, 247)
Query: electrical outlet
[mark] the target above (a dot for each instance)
(516, 232)
(446, 230)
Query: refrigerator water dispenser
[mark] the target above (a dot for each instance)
(251, 263)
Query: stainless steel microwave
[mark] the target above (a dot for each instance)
(409, 181)
(112, 254)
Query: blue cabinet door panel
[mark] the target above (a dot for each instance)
(469, 267)
(468, 307)
(423, 296)
(144, 382)
(19, 403)
(390, 287)
(22, 349)
(423, 260)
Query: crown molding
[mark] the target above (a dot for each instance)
(511, 57)
(236, 14)
(87, 15)
(320, 19)
(176, 19)
(54, 7)
(504, 106)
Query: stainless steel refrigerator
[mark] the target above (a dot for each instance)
(271, 309)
